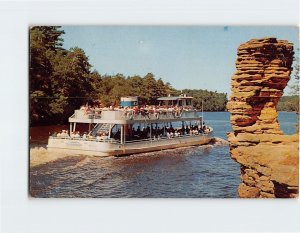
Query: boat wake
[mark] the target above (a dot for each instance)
(219, 142)
(39, 155)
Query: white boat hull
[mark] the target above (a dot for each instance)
(94, 148)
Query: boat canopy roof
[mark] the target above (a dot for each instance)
(175, 98)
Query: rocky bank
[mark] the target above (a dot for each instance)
(269, 160)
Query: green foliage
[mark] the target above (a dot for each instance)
(295, 86)
(212, 101)
(147, 88)
(288, 103)
(61, 80)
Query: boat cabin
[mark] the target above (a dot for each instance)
(178, 101)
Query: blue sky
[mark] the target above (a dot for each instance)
(186, 56)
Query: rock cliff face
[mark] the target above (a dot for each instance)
(269, 160)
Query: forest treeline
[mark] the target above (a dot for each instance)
(61, 80)
(289, 103)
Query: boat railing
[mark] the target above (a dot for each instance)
(110, 140)
(115, 141)
(160, 114)
(130, 114)
(82, 114)
(164, 138)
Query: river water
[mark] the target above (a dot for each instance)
(201, 171)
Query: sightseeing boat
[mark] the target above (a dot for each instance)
(130, 129)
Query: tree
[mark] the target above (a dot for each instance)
(136, 85)
(60, 80)
(70, 81)
(295, 86)
(152, 89)
(44, 42)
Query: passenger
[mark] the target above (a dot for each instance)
(207, 130)
(54, 134)
(87, 110)
(179, 131)
(130, 113)
(72, 135)
(77, 135)
(176, 112)
(170, 111)
(144, 133)
(138, 130)
(172, 129)
(158, 131)
(84, 136)
(187, 130)
(62, 134)
(104, 136)
(168, 135)
(146, 111)
(133, 131)
(136, 110)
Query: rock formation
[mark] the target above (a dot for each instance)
(269, 160)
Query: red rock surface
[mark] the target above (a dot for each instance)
(269, 160)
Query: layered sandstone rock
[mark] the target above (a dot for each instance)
(269, 160)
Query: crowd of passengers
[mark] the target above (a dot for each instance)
(169, 132)
(138, 134)
(77, 135)
(144, 110)
(65, 134)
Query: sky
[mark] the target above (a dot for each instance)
(193, 57)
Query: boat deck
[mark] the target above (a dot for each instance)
(129, 117)
(115, 148)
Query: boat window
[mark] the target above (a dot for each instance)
(116, 128)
